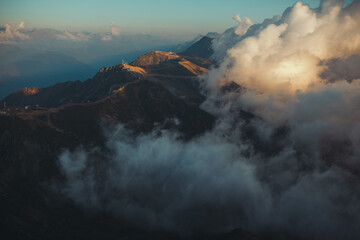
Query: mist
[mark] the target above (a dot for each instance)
(289, 172)
(218, 182)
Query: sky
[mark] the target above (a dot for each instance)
(140, 16)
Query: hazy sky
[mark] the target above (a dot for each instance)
(140, 16)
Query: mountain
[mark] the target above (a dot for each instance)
(201, 48)
(168, 63)
(141, 104)
(200, 51)
(182, 47)
(177, 72)
(73, 91)
(159, 90)
(31, 140)
(157, 66)
(174, 72)
(154, 58)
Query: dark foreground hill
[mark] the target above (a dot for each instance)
(31, 140)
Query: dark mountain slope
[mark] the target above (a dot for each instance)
(78, 92)
(201, 48)
(200, 52)
(31, 140)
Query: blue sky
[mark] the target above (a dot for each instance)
(140, 16)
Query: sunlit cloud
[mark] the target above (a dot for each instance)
(289, 51)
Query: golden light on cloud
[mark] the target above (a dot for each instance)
(297, 72)
(286, 55)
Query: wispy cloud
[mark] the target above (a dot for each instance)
(243, 25)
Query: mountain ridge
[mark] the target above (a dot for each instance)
(108, 79)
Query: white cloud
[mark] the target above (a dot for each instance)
(286, 56)
(11, 32)
(243, 24)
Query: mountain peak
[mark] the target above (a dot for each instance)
(154, 58)
(201, 48)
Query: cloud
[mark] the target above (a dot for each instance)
(17, 33)
(218, 182)
(11, 32)
(115, 33)
(115, 29)
(106, 38)
(158, 182)
(72, 36)
(290, 172)
(243, 24)
(341, 69)
(286, 55)
(236, 34)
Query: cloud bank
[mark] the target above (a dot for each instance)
(286, 54)
(291, 171)
(11, 33)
